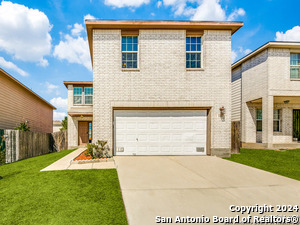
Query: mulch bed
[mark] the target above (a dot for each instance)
(82, 156)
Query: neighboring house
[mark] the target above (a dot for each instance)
(57, 125)
(20, 104)
(266, 96)
(80, 112)
(160, 88)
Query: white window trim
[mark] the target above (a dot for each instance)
(137, 56)
(258, 120)
(88, 95)
(82, 97)
(294, 66)
(279, 120)
(76, 95)
(201, 53)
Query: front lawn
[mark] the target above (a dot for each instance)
(284, 162)
(28, 196)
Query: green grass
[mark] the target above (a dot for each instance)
(284, 162)
(28, 196)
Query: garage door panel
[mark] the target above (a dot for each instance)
(160, 132)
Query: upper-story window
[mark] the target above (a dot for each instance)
(295, 65)
(83, 95)
(129, 51)
(77, 95)
(88, 95)
(193, 52)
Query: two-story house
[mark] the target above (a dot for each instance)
(80, 112)
(159, 87)
(266, 96)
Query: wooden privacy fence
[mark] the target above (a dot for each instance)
(235, 137)
(25, 144)
(60, 140)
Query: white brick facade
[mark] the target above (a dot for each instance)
(265, 84)
(80, 111)
(162, 79)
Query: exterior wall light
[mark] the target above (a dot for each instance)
(222, 111)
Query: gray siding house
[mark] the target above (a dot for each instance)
(159, 87)
(266, 96)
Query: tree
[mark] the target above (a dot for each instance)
(64, 124)
(23, 126)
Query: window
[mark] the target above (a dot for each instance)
(277, 120)
(77, 95)
(295, 65)
(193, 52)
(259, 120)
(129, 51)
(88, 95)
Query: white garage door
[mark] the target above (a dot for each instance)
(160, 132)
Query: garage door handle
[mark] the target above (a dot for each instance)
(137, 139)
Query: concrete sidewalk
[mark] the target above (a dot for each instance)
(65, 163)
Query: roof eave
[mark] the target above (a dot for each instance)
(270, 44)
(22, 85)
(66, 83)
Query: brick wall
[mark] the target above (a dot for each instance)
(162, 79)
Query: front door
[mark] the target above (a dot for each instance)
(296, 124)
(83, 132)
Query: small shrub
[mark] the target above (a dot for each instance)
(90, 150)
(98, 150)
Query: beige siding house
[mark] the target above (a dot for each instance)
(159, 87)
(20, 104)
(266, 96)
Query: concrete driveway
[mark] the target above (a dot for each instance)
(170, 186)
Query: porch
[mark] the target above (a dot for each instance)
(80, 129)
(271, 122)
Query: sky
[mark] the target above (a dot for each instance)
(43, 43)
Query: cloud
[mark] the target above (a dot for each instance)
(290, 35)
(59, 115)
(239, 53)
(152, 14)
(205, 10)
(89, 17)
(233, 56)
(247, 51)
(50, 88)
(74, 50)
(126, 3)
(24, 33)
(235, 14)
(11, 66)
(60, 103)
(77, 29)
(158, 4)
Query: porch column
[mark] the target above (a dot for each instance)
(248, 120)
(267, 120)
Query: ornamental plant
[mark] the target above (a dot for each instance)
(98, 150)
